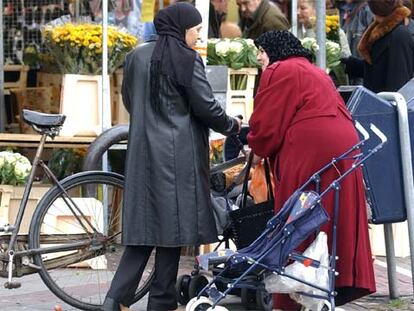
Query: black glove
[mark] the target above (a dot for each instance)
(354, 66)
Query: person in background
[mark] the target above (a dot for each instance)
(356, 21)
(298, 111)
(306, 25)
(217, 14)
(167, 195)
(260, 16)
(386, 48)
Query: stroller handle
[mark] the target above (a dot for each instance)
(362, 130)
(378, 132)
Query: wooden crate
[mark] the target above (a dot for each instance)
(10, 198)
(240, 100)
(54, 81)
(33, 98)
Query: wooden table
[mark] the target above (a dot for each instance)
(32, 141)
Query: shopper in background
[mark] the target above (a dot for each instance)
(299, 112)
(260, 16)
(307, 22)
(356, 21)
(387, 48)
(167, 196)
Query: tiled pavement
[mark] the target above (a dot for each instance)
(35, 296)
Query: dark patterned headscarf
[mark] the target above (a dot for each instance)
(281, 44)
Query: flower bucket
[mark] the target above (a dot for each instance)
(240, 92)
(81, 103)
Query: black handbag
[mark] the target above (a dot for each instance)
(249, 221)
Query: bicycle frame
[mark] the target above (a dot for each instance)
(14, 229)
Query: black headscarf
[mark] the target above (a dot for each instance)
(281, 44)
(172, 56)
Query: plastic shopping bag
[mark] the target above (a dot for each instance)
(318, 250)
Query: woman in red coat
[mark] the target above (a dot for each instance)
(300, 122)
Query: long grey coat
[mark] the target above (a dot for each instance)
(166, 198)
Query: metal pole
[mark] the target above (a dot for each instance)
(391, 262)
(77, 10)
(161, 4)
(2, 104)
(294, 17)
(105, 100)
(407, 168)
(321, 33)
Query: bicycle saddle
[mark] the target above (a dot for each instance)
(43, 120)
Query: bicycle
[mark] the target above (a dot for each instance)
(74, 239)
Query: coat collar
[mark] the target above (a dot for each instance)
(377, 30)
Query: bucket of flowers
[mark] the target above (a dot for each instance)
(239, 55)
(77, 48)
(333, 48)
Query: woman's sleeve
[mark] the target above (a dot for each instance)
(124, 86)
(275, 107)
(204, 106)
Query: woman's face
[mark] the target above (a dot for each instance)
(306, 13)
(262, 58)
(192, 35)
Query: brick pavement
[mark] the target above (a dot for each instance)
(35, 296)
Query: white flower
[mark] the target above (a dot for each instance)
(250, 43)
(22, 170)
(310, 44)
(223, 47)
(236, 46)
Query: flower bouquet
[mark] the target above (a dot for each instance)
(333, 56)
(77, 48)
(14, 168)
(235, 53)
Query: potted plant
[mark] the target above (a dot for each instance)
(76, 50)
(14, 171)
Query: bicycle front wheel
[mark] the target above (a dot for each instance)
(77, 232)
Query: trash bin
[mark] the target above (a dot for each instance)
(383, 173)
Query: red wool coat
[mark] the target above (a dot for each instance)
(300, 122)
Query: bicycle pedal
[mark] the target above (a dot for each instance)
(12, 285)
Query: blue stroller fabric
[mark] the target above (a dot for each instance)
(301, 215)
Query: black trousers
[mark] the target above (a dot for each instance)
(162, 295)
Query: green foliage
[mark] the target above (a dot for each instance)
(65, 162)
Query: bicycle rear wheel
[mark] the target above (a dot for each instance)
(87, 221)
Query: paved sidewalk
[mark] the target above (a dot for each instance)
(35, 296)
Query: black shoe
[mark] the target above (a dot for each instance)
(110, 305)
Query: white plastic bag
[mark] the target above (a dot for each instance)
(318, 250)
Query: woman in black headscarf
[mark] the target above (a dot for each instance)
(300, 122)
(166, 198)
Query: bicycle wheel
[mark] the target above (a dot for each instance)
(87, 222)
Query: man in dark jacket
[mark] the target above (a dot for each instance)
(167, 196)
(387, 48)
(260, 16)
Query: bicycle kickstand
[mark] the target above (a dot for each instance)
(10, 284)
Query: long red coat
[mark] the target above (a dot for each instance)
(300, 122)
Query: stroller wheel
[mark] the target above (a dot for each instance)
(264, 300)
(197, 283)
(181, 286)
(248, 298)
(201, 304)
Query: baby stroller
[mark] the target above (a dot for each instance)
(225, 197)
(301, 216)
